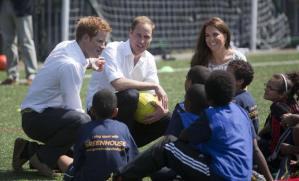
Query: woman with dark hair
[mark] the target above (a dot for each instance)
(213, 48)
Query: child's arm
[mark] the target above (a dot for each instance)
(266, 129)
(288, 149)
(261, 161)
(197, 132)
(289, 119)
(175, 125)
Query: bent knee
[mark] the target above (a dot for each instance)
(128, 97)
(80, 118)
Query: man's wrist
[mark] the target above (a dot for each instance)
(88, 63)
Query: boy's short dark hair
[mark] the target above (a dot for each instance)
(103, 103)
(198, 74)
(242, 71)
(220, 87)
(196, 96)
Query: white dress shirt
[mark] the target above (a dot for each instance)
(120, 63)
(58, 82)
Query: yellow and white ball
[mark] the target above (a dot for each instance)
(145, 106)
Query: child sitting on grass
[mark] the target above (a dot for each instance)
(217, 147)
(276, 139)
(181, 118)
(243, 73)
(103, 146)
(194, 104)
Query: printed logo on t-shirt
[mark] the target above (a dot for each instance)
(106, 143)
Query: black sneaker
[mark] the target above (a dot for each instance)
(9, 81)
(17, 161)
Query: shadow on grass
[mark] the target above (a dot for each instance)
(24, 175)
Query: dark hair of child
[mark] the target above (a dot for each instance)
(103, 104)
(294, 90)
(196, 99)
(198, 74)
(242, 71)
(220, 87)
(288, 84)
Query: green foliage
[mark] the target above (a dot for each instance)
(12, 96)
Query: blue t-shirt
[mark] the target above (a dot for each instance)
(102, 148)
(229, 144)
(246, 101)
(180, 119)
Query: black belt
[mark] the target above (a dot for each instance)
(27, 110)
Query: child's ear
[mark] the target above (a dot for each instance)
(187, 105)
(210, 102)
(284, 95)
(239, 83)
(92, 111)
(115, 112)
(188, 84)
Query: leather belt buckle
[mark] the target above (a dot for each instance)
(26, 110)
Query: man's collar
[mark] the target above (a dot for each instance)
(128, 50)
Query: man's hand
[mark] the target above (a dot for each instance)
(159, 113)
(162, 96)
(96, 64)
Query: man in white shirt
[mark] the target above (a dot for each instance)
(130, 68)
(52, 110)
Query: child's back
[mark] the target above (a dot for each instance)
(103, 146)
(229, 125)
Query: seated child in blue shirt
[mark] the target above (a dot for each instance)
(104, 144)
(181, 118)
(217, 147)
(194, 104)
(244, 73)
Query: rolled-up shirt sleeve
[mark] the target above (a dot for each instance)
(111, 69)
(70, 84)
